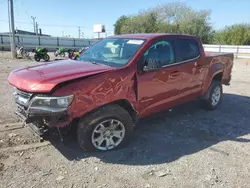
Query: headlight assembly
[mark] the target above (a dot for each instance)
(52, 102)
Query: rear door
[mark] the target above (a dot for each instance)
(188, 58)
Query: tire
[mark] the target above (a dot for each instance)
(104, 116)
(46, 57)
(22, 54)
(27, 54)
(213, 97)
(37, 57)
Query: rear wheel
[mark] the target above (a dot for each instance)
(108, 128)
(37, 57)
(213, 97)
(46, 57)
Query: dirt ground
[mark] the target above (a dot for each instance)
(188, 147)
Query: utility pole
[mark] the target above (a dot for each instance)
(79, 32)
(34, 23)
(12, 28)
(36, 28)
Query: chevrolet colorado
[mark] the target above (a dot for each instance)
(117, 81)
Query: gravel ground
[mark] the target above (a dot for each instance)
(188, 147)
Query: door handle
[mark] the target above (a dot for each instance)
(175, 74)
(197, 65)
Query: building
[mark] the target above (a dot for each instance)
(22, 32)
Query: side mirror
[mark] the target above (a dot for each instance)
(151, 65)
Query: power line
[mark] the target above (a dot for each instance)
(55, 25)
(24, 9)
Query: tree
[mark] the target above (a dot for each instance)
(189, 20)
(168, 18)
(145, 22)
(119, 24)
(238, 34)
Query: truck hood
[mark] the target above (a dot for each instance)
(44, 77)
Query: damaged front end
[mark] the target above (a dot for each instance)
(40, 112)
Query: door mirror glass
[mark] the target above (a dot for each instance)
(151, 65)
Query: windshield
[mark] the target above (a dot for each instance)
(114, 52)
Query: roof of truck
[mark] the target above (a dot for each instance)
(151, 35)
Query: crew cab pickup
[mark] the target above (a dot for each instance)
(117, 81)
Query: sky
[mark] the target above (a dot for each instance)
(63, 17)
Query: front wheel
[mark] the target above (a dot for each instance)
(108, 128)
(213, 96)
(46, 57)
(37, 57)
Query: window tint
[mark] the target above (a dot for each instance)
(186, 49)
(161, 51)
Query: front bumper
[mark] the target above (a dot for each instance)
(50, 117)
(39, 118)
(39, 122)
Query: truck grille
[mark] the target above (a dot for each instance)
(22, 97)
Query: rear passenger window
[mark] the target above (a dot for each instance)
(186, 49)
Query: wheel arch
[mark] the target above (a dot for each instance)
(215, 73)
(124, 103)
(217, 76)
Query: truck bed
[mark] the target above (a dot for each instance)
(226, 60)
(214, 54)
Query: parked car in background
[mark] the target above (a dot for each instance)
(117, 81)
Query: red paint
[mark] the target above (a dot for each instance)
(44, 77)
(147, 92)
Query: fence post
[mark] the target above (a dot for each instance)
(237, 52)
(89, 43)
(39, 41)
(57, 42)
(74, 42)
(2, 42)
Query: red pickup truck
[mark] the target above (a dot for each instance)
(117, 81)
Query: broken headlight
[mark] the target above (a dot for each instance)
(53, 102)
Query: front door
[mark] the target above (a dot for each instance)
(159, 89)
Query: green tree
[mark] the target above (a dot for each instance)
(189, 20)
(145, 22)
(168, 18)
(119, 24)
(238, 34)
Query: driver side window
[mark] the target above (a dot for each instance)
(162, 52)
